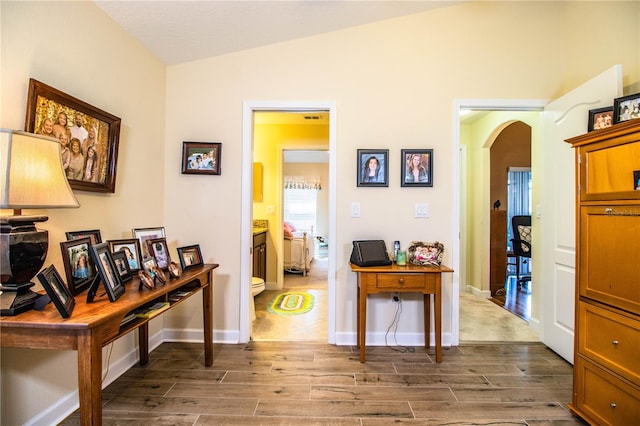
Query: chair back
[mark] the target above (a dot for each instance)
(521, 226)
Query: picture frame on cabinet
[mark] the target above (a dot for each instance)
(78, 264)
(190, 256)
(52, 112)
(600, 118)
(372, 167)
(107, 270)
(626, 108)
(144, 234)
(636, 180)
(158, 249)
(131, 249)
(56, 290)
(416, 167)
(201, 158)
(122, 266)
(93, 234)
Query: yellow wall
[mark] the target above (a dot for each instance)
(393, 82)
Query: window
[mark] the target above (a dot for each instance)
(300, 207)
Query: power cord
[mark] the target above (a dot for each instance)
(394, 325)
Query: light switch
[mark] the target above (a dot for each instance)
(355, 209)
(421, 210)
(271, 210)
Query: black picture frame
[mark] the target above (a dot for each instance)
(93, 234)
(47, 103)
(159, 250)
(59, 294)
(201, 158)
(79, 273)
(107, 270)
(424, 168)
(190, 256)
(122, 266)
(626, 108)
(600, 118)
(144, 234)
(132, 250)
(380, 173)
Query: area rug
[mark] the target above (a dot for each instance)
(291, 303)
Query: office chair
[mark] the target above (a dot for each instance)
(521, 226)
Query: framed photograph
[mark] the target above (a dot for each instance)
(416, 167)
(373, 167)
(122, 266)
(149, 266)
(600, 118)
(626, 108)
(93, 235)
(89, 136)
(78, 264)
(190, 256)
(159, 251)
(131, 249)
(201, 158)
(107, 270)
(56, 290)
(421, 253)
(636, 180)
(144, 234)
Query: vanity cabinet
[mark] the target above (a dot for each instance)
(260, 255)
(606, 383)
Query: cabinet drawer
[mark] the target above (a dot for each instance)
(400, 281)
(609, 251)
(603, 397)
(610, 339)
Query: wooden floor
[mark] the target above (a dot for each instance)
(304, 383)
(516, 300)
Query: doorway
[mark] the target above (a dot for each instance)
(275, 222)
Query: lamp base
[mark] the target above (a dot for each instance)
(14, 302)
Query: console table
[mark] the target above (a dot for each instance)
(401, 279)
(93, 325)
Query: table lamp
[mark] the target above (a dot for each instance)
(31, 177)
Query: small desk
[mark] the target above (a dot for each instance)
(93, 325)
(401, 279)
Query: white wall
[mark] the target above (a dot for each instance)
(393, 82)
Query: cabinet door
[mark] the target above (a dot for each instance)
(610, 255)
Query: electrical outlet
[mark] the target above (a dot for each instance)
(395, 297)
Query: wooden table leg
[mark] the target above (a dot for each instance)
(427, 320)
(207, 312)
(143, 343)
(90, 377)
(362, 323)
(437, 307)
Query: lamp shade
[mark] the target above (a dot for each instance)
(31, 172)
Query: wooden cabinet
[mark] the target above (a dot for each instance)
(498, 251)
(606, 384)
(260, 255)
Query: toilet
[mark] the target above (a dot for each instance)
(257, 286)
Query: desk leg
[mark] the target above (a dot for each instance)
(90, 377)
(437, 306)
(362, 318)
(143, 343)
(427, 320)
(207, 312)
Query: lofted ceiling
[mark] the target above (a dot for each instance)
(179, 31)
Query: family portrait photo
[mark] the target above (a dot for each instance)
(201, 158)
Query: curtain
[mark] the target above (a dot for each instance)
(302, 182)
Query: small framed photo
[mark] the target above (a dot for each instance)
(636, 180)
(93, 234)
(56, 290)
(107, 270)
(122, 266)
(190, 256)
(149, 266)
(626, 108)
(416, 167)
(159, 251)
(144, 234)
(600, 118)
(78, 264)
(131, 249)
(201, 158)
(373, 167)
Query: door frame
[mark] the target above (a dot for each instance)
(248, 109)
(460, 190)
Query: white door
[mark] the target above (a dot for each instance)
(555, 217)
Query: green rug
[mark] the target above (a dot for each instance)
(291, 303)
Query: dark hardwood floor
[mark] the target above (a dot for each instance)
(307, 383)
(515, 300)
